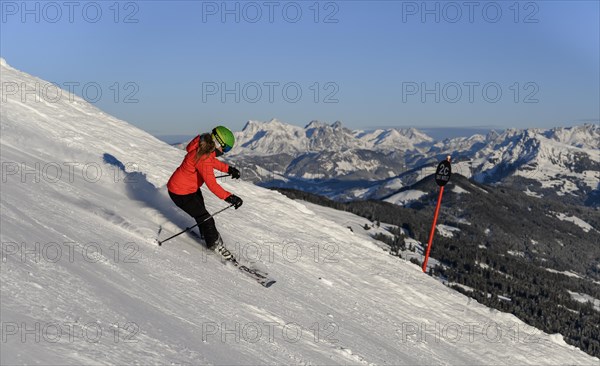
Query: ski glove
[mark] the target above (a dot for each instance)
(234, 200)
(235, 174)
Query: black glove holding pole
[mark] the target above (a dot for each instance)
(235, 174)
(234, 200)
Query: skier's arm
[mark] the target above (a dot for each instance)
(219, 165)
(226, 168)
(208, 175)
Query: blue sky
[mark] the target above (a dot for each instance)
(180, 67)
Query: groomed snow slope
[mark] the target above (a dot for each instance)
(95, 290)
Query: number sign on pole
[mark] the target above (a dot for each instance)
(442, 176)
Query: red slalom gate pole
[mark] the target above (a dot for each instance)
(442, 176)
(432, 232)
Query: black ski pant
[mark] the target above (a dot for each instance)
(193, 205)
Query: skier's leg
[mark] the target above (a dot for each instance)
(193, 205)
(208, 228)
(184, 202)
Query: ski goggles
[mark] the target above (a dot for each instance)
(222, 143)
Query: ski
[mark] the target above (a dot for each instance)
(259, 276)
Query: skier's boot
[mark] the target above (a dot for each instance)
(220, 248)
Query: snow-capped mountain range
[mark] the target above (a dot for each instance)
(372, 164)
(275, 137)
(83, 192)
(548, 156)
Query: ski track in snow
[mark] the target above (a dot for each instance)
(339, 299)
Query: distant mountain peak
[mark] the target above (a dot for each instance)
(315, 124)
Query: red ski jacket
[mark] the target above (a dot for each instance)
(192, 174)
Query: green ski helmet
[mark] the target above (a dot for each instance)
(224, 137)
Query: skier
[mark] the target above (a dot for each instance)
(197, 169)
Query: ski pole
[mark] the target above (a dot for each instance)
(223, 176)
(191, 227)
